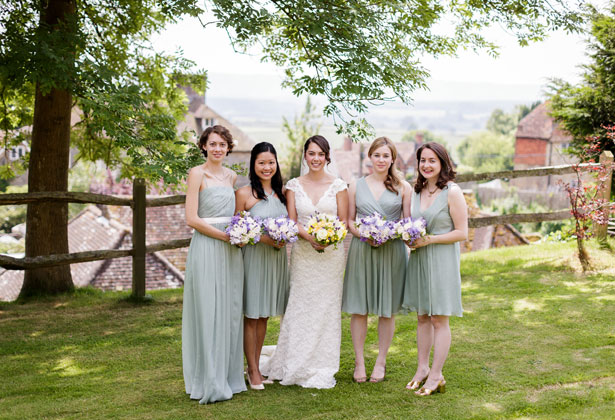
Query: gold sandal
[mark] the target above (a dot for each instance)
(440, 387)
(414, 385)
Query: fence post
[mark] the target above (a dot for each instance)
(138, 238)
(606, 158)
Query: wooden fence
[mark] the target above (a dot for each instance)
(139, 203)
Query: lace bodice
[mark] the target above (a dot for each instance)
(326, 204)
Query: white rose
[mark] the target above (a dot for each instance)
(321, 235)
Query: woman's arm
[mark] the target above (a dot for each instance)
(459, 213)
(406, 203)
(195, 177)
(241, 197)
(342, 205)
(352, 208)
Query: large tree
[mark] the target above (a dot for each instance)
(586, 109)
(94, 55)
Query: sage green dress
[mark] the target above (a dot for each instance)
(374, 278)
(212, 321)
(433, 280)
(265, 289)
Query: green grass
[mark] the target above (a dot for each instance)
(537, 341)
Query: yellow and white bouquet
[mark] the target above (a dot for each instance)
(326, 229)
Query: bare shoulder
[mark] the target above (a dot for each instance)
(244, 191)
(230, 173)
(406, 187)
(197, 170)
(196, 173)
(454, 188)
(455, 193)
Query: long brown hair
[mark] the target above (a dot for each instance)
(447, 171)
(393, 181)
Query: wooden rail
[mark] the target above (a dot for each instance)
(520, 173)
(139, 202)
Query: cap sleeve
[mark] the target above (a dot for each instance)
(339, 185)
(293, 185)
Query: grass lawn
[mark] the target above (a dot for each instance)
(537, 341)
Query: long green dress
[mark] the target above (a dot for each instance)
(265, 289)
(433, 280)
(212, 321)
(374, 278)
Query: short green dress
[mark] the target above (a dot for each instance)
(374, 278)
(266, 274)
(433, 280)
(212, 321)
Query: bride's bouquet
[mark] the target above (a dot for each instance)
(376, 228)
(281, 229)
(244, 229)
(409, 230)
(326, 229)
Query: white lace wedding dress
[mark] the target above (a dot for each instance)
(308, 349)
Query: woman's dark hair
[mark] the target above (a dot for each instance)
(219, 130)
(321, 142)
(447, 171)
(276, 181)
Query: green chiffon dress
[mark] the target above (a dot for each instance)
(374, 278)
(266, 274)
(212, 321)
(433, 280)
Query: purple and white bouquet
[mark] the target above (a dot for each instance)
(281, 229)
(244, 229)
(409, 230)
(376, 228)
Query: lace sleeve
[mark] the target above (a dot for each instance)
(338, 185)
(292, 185)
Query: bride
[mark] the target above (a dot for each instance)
(308, 350)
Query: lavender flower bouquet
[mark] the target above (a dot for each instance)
(409, 230)
(281, 229)
(375, 228)
(244, 229)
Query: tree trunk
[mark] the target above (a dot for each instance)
(47, 223)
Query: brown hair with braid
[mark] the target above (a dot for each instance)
(447, 169)
(393, 180)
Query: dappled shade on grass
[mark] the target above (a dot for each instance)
(537, 340)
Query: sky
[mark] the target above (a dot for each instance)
(519, 73)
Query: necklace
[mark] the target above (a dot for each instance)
(432, 192)
(212, 175)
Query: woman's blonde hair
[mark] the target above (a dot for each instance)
(393, 180)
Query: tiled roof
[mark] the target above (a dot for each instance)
(537, 124)
(116, 274)
(162, 224)
(89, 230)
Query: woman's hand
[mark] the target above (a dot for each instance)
(266, 239)
(318, 247)
(372, 243)
(420, 242)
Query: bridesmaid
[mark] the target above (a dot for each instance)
(374, 279)
(433, 281)
(211, 320)
(265, 265)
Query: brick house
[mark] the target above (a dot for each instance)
(540, 141)
(200, 116)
